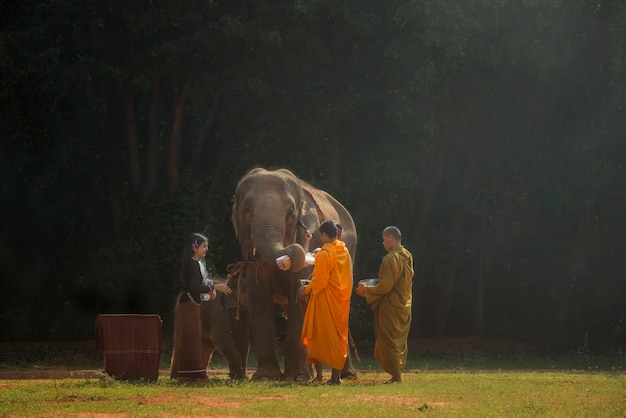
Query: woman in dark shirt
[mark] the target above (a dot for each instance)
(187, 362)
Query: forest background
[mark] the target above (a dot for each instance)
(491, 132)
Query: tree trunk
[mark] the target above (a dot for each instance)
(204, 133)
(442, 302)
(431, 175)
(431, 172)
(153, 138)
(178, 90)
(134, 165)
(339, 50)
(482, 272)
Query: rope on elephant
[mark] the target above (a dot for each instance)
(235, 271)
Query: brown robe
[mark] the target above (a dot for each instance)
(391, 302)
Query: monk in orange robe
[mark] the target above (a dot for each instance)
(325, 327)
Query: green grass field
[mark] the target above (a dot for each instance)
(474, 386)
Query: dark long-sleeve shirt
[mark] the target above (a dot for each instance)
(192, 284)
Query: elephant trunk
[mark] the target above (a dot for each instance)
(268, 246)
(296, 254)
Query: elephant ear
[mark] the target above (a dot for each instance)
(321, 200)
(310, 216)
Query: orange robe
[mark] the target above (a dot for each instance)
(325, 327)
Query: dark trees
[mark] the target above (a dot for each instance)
(490, 132)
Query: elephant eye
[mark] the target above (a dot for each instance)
(247, 214)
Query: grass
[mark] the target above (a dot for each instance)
(472, 386)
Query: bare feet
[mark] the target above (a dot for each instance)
(348, 376)
(335, 378)
(333, 382)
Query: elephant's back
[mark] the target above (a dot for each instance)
(260, 174)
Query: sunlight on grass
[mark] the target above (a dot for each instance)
(452, 392)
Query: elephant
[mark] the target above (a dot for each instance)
(275, 213)
(225, 327)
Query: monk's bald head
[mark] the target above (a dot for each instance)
(394, 232)
(392, 238)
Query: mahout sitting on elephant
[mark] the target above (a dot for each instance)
(274, 214)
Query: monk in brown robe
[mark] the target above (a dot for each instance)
(391, 300)
(325, 327)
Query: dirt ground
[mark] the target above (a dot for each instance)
(44, 360)
(80, 359)
(469, 345)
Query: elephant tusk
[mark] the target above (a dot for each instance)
(254, 252)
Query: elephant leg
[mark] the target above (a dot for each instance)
(348, 371)
(225, 342)
(208, 347)
(296, 367)
(262, 327)
(241, 336)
